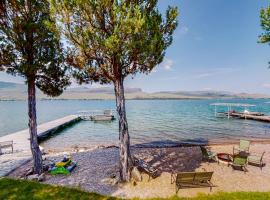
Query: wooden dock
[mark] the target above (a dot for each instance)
(22, 151)
(257, 116)
(263, 118)
(21, 138)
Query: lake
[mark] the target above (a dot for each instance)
(150, 121)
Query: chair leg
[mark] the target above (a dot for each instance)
(245, 169)
(176, 189)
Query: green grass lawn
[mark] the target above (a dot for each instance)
(19, 189)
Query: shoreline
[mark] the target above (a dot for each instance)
(104, 166)
(138, 146)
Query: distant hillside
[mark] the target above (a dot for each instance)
(14, 91)
(105, 90)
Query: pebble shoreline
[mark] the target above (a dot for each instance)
(97, 166)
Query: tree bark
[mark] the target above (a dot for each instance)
(37, 156)
(124, 141)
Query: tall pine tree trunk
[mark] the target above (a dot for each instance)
(124, 141)
(37, 156)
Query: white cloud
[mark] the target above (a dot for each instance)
(266, 85)
(167, 64)
(207, 89)
(214, 72)
(203, 75)
(170, 78)
(183, 30)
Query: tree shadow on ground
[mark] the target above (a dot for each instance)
(96, 168)
(170, 156)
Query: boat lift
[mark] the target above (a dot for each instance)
(231, 112)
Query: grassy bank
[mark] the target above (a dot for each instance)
(18, 189)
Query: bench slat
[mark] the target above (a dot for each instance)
(6, 144)
(193, 179)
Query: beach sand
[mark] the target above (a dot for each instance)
(96, 167)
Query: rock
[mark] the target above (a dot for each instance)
(48, 165)
(36, 177)
(29, 171)
(41, 177)
(112, 176)
(41, 149)
(111, 181)
(33, 177)
(106, 180)
(115, 181)
(135, 174)
(81, 150)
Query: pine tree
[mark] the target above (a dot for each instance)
(265, 24)
(29, 48)
(112, 39)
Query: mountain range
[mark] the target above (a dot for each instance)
(17, 91)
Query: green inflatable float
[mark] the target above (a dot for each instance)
(64, 167)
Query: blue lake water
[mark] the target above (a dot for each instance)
(149, 121)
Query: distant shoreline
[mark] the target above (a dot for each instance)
(12, 91)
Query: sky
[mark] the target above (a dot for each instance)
(214, 48)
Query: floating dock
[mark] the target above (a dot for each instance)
(21, 143)
(263, 118)
(97, 115)
(231, 113)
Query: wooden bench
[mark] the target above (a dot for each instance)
(6, 144)
(192, 180)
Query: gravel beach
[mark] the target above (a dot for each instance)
(97, 171)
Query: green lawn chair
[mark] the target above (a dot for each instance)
(243, 147)
(239, 162)
(207, 154)
(192, 180)
(257, 160)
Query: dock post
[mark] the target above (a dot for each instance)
(245, 112)
(228, 112)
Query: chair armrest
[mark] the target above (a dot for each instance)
(257, 155)
(210, 183)
(173, 178)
